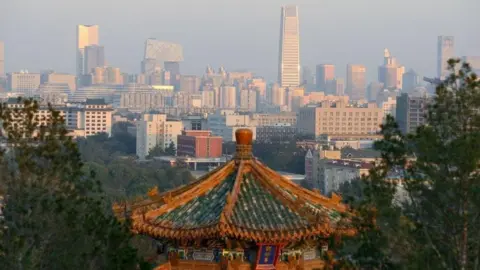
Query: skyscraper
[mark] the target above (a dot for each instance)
(445, 51)
(356, 81)
(289, 53)
(94, 57)
(324, 73)
(390, 73)
(87, 35)
(2, 59)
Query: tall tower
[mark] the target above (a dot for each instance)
(356, 81)
(2, 59)
(87, 35)
(390, 73)
(324, 74)
(445, 51)
(289, 53)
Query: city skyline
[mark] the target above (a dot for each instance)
(354, 39)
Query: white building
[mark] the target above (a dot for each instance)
(248, 100)
(89, 118)
(389, 107)
(228, 97)
(155, 129)
(208, 98)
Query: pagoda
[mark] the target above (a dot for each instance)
(242, 215)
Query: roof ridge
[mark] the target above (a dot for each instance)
(233, 196)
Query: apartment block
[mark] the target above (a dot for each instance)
(155, 129)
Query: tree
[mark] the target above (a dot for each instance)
(156, 151)
(171, 150)
(55, 215)
(436, 225)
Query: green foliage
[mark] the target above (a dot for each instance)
(436, 224)
(281, 156)
(55, 215)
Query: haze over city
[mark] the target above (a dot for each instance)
(239, 34)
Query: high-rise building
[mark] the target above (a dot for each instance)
(248, 100)
(162, 55)
(324, 73)
(445, 51)
(87, 35)
(356, 81)
(155, 129)
(289, 53)
(308, 79)
(410, 112)
(190, 83)
(410, 80)
(373, 89)
(390, 73)
(94, 57)
(228, 97)
(277, 96)
(2, 59)
(336, 87)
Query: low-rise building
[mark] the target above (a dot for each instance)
(276, 133)
(199, 144)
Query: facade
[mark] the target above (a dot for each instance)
(336, 87)
(277, 96)
(141, 100)
(272, 119)
(410, 81)
(282, 133)
(324, 73)
(89, 118)
(155, 129)
(158, 52)
(94, 57)
(248, 100)
(23, 82)
(339, 118)
(389, 106)
(199, 144)
(2, 59)
(326, 170)
(105, 92)
(356, 81)
(289, 52)
(373, 89)
(228, 97)
(410, 112)
(209, 98)
(59, 78)
(87, 35)
(390, 73)
(189, 83)
(242, 215)
(445, 51)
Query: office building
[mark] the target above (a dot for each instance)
(87, 35)
(445, 51)
(208, 98)
(59, 78)
(278, 133)
(289, 52)
(23, 81)
(373, 89)
(189, 83)
(308, 79)
(199, 144)
(356, 81)
(390, 73)
(248, 100)
(335, 87)
(141, 99)
(155, 129)
(411, 112)
(2, 59)
(339, 118)
(228, 97)
(94, 57)
(105, 92)
(277, 96)
(411, 80)
(389, 106)
(260, 85)
(162, 55)
(324, 73)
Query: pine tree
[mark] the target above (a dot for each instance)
(436, 225)
(54, 216)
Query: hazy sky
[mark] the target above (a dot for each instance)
(239, 34)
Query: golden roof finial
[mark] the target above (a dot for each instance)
(244, 138)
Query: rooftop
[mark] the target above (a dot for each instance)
(243, 199)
